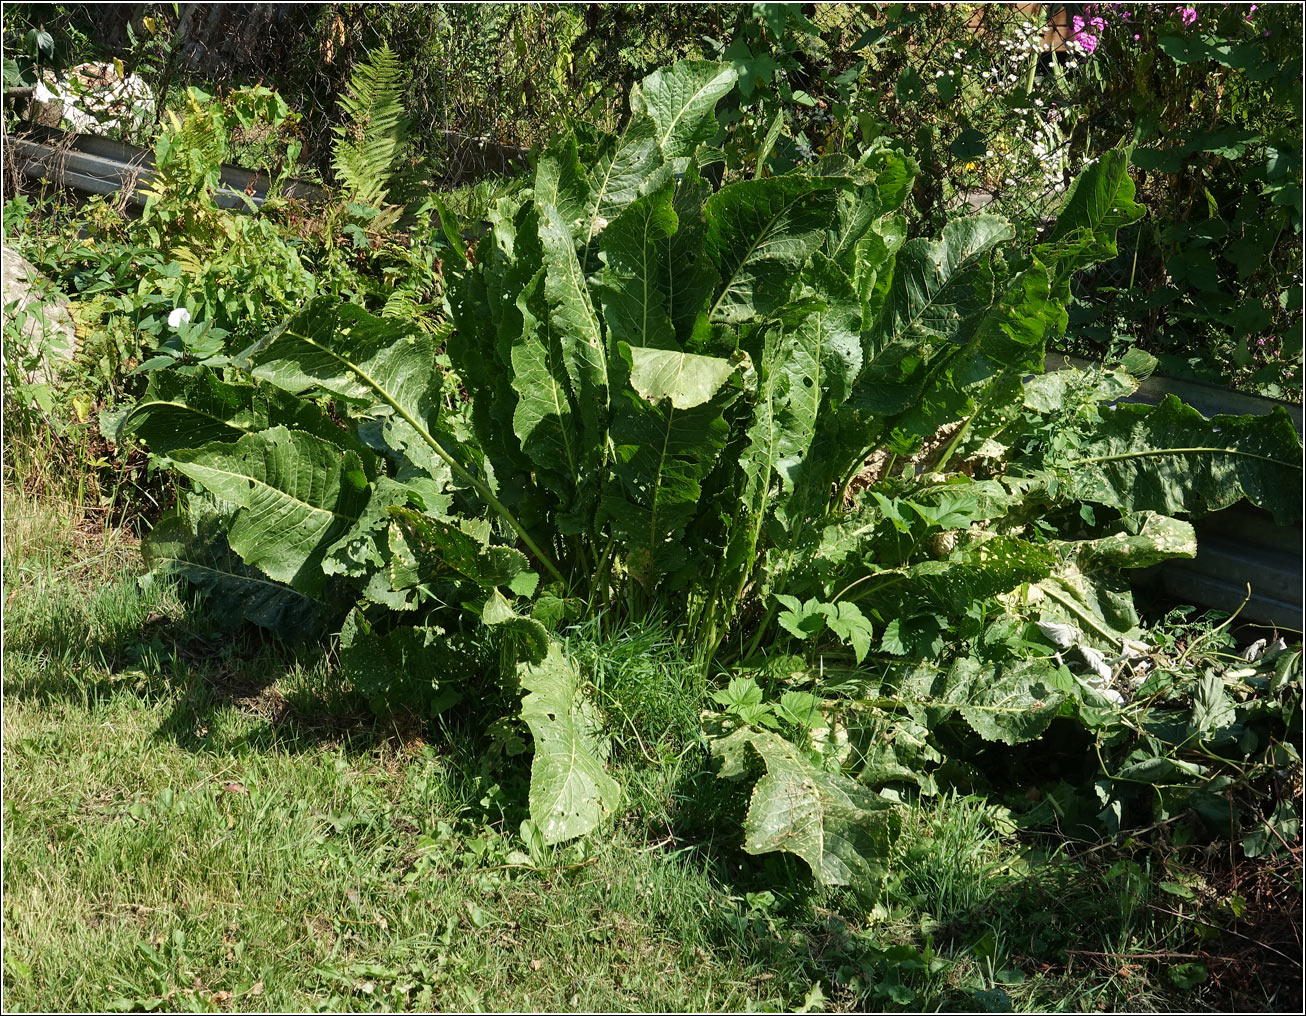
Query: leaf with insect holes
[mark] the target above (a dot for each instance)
(840, 828)
(570, 792)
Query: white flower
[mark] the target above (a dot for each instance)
(180, 316)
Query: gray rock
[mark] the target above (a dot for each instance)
(39, 316)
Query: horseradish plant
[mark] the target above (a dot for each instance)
(733, 409)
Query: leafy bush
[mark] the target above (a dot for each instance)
(753, 413)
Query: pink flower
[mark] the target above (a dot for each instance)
(1188, 15)
(1086, 41)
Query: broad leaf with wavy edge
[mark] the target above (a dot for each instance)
(1099, 202)
(840, 828)
(667, 435)
(570, 793)
(379, 365)
(1168, 458)
(935, 293)
(186, 410)
(681, 101)
(631, 284)
(298, 493)
(760, 233)
(195, 548)
(1012, 703)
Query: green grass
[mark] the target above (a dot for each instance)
(198, 818)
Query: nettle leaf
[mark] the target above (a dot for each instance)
(809, 619)
(851, 625)
(194, 547)
(760, 233)
(840, 828)
(570, 792)
(298, 492)
(1168, 458)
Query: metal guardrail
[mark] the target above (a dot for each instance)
(96, 165)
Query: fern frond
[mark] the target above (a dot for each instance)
(371, 140)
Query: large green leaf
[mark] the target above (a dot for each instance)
(445, 547)
(299, 494)
(1168, 458)
(667, 435)
(625, 167)
(195, 548)
(1086, 588)
(820, 356)
(570, 793)
(939, 286)
(546, 419)
(362, 548)
(385, 665)
(688, 278)
(759, 235)
(634, 278)
(1099, 202)
(1007, 342)
(685, 379)
(374, 362)
(573, 320)
(840, 828)
(936, 293)
(484, 306)
(1012, 703)
(562, 182)
(531, 638)
(385, 369)
(187, 410)
(681, 101)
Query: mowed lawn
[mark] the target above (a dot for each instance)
(201, 819)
